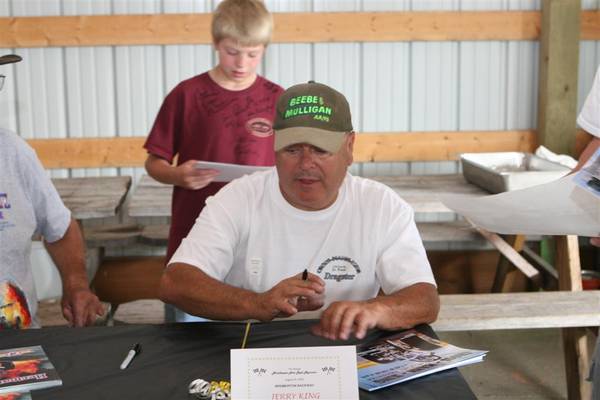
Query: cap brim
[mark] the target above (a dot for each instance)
(327, 140)
(10, 58)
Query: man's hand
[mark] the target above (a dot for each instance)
(595, 241)
(405, 308)
(343, 318)
(190, 177)
(290, 296)
(80, 306)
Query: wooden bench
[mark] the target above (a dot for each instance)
(491, 311)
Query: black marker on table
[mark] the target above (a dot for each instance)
(137, 349)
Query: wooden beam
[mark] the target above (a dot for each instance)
(590, 25)
(506, 274)
(567, 263)
(90, 153)
(320, 27)
(406, 26)
(510, 253)
(148, 29)
(390, 146)
(575, 344)
(559, 60)
(438, 146)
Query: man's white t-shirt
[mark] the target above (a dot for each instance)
(29, 205)
(250, 237)
(589, 120)
(589, 117)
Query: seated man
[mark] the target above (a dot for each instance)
(29, 204)
(245, 255)
(589, 121)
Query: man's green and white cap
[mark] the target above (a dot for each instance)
(312, 113)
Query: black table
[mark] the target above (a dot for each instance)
(88, 359)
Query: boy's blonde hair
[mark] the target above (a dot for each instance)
(248, 22)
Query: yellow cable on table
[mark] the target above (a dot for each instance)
(304, 277)
(246, 335)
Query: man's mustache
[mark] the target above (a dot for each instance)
(307, 176)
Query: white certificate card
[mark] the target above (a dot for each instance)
(229, 172)
(294, 373)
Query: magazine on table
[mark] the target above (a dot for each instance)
(588, 177)
(26, 368)
(408, 355)
(15, 396)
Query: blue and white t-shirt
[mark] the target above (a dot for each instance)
(29, 205)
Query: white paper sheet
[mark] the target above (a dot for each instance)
(556, 208)
(294, 373)
(229, 172)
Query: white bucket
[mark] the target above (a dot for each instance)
(45, 274)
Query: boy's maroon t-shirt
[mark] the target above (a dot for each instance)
(200, 120)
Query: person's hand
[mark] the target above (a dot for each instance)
(595, 241)
(343, 318)
(190, 177)
(290, 296)
(310, 303)
(80, 306)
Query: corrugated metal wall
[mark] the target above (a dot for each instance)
(408, 86)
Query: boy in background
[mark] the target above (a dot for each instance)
(223, 115)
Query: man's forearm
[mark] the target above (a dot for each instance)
(589, 150)
(196, 293)
(69, 257)
(408, 307)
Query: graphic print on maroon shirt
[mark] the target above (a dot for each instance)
(200, 120)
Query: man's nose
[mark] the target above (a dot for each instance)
(307, 157)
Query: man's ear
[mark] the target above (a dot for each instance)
(350, 147)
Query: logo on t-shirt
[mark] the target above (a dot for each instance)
(260, 127)
(338, 268)
(4, 205)
(4, 201)
(14, 311)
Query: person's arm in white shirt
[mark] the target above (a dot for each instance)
(196, 293)
(589, 150)
(413, 305)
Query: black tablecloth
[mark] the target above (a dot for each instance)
(173, 355)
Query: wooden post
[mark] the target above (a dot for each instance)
(507, 276)
(575, 346)
(559, 61)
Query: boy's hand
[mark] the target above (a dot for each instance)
(190, 177)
